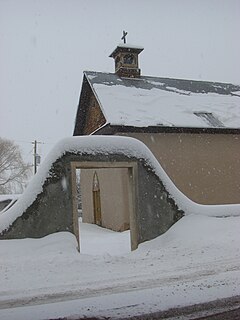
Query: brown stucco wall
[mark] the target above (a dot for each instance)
(205, 167)
(114, 194)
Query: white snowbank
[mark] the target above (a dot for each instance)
(109, 144)
(195, 261)
(95, 241)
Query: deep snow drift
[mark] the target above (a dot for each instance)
(197, 260)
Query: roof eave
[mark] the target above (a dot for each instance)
(114, 129)
(77, 127)
(121, 48)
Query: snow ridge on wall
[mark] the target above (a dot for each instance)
(94, 145)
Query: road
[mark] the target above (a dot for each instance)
(224, 309)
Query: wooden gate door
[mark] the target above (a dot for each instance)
(96, 200)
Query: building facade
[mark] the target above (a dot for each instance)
(191, 127)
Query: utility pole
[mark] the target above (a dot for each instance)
(36, 157)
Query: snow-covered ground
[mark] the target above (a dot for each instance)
(197, 260)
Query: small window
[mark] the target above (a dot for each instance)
(128, 59)
(209, 118)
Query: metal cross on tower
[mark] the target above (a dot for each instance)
(124, 36)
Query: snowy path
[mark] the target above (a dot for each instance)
(197, 260)
(95, 240)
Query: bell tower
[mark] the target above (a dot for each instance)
(126, 59)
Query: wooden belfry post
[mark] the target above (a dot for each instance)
(96, 201)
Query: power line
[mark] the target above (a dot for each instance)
(22, 141)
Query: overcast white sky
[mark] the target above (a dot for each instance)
(46, 46)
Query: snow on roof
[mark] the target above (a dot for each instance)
(153, 101)
(125, 46)
(131, 46)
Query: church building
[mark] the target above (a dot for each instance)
(192, 128)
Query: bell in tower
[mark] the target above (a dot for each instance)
(126, 59)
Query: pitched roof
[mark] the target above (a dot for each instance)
(153, 101)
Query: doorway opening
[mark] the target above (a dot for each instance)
(104, 204)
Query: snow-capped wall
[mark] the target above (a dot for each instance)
(46, 205)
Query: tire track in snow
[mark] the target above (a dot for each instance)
(121, 285)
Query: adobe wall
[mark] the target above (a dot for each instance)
(205, 167)
(52, 211)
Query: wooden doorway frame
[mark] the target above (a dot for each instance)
(133, 198)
